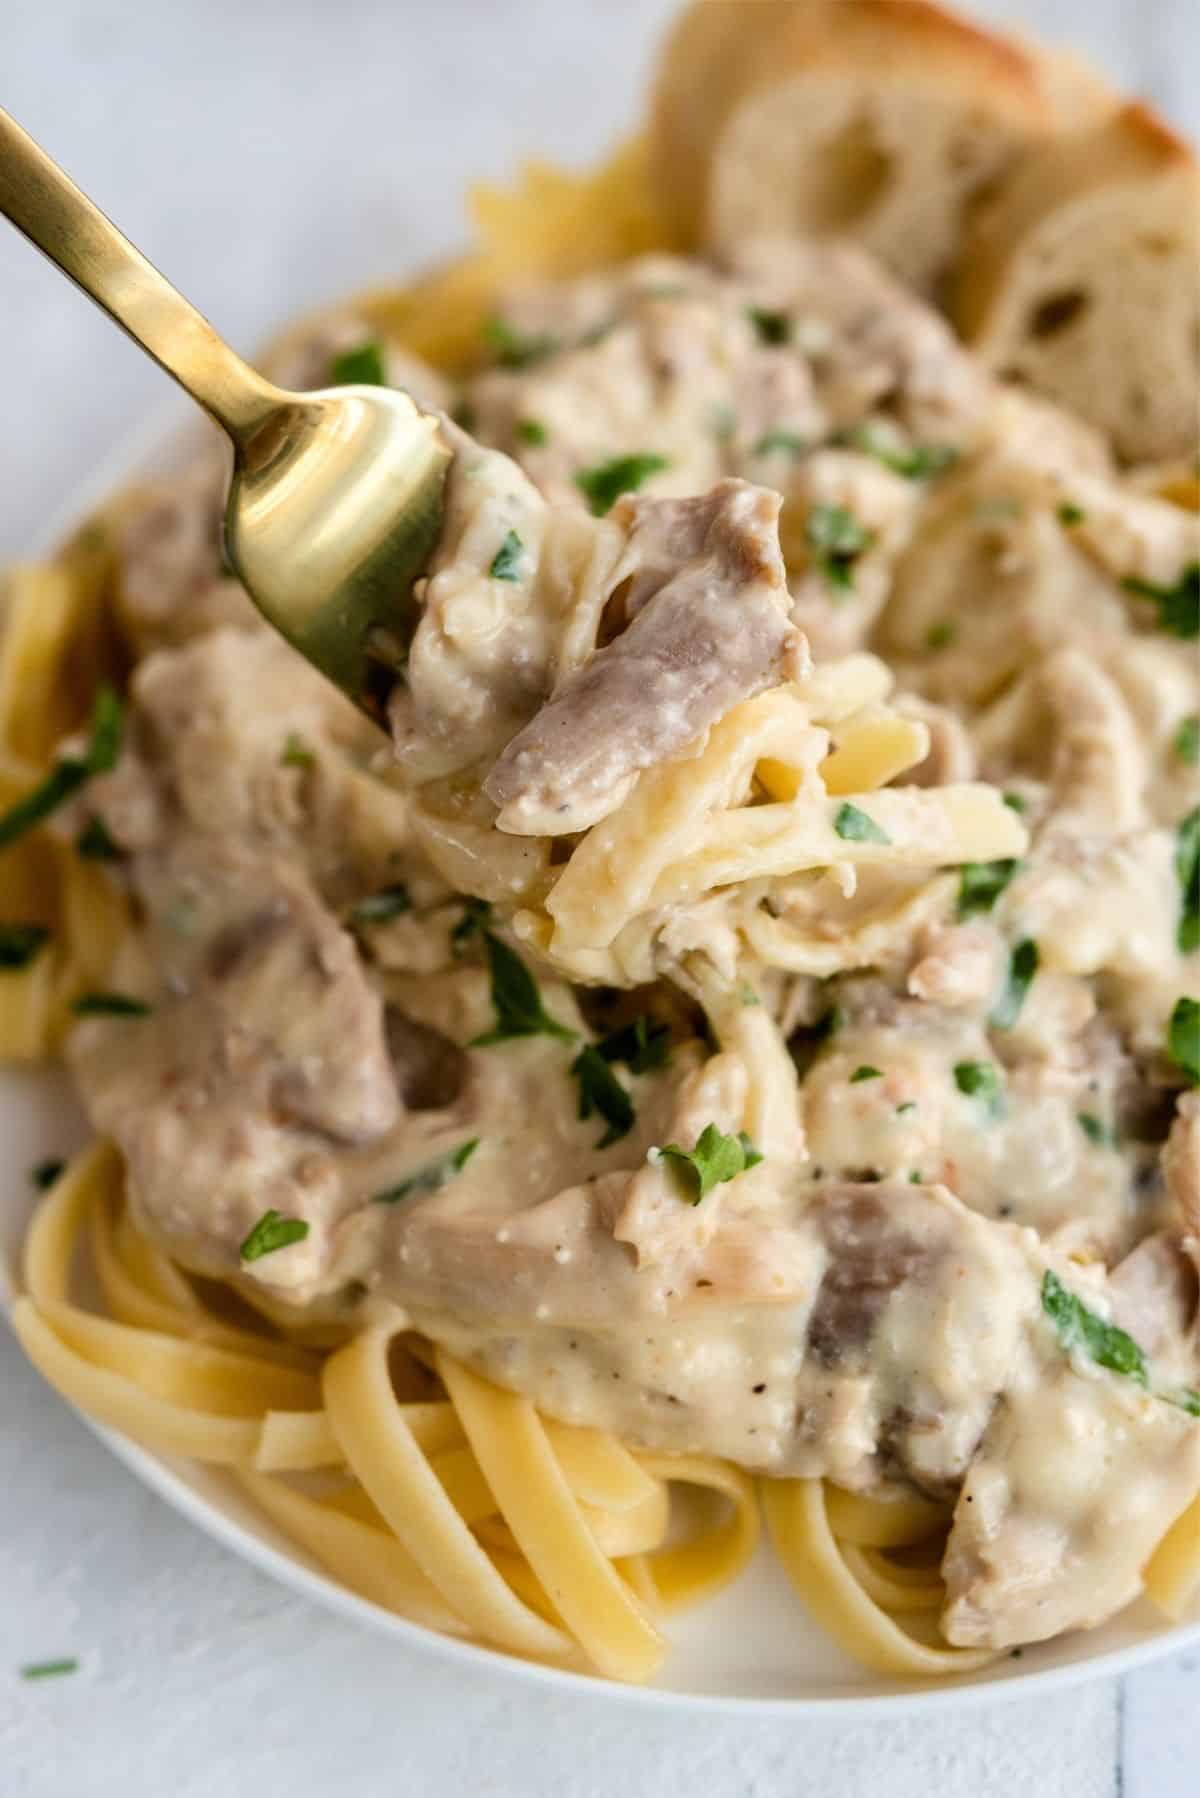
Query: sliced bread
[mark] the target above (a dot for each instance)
(879, 120)
(1081, 280)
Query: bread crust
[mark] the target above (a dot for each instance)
(721, 53)
(1130, 176)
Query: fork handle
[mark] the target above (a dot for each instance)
(44, 204)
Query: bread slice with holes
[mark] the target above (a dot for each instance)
(878, 120)
(1081, 279)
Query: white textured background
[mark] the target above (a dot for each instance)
(269, 156)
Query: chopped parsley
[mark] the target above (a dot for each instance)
(1178, 606)
(50, 1669)
(1079, 1327)
(865, 1072)
(979, 1080)
(430, 1178)
(506, 562)
(1022, 966)
(837, 539)
(908, 1105)
(295, 752)
(1014, 802)
(379, 908)
(474, 922)
(601, 1092)
(359, 367)
(20, 944)
(1070, 514)
(715, 1159)
(604, 484)
(95, 842)
(46, 1173)
(1186, 741)
(1183, 1038)
(531, 431)
(270, 1233)
(512, 350)
(980, 884)
(1098, 1133)
(916, 462)
(941, 636)
(515, 999)
(1187, 868)
(781, 443)
(748, 996)
(772, 327)
(854, 826)
(724, 422)
(69, 774)
(109, 1005)
(643, 1045)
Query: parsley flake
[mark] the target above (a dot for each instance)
(512, 350)
(601, 1092)
(865, 1072)
(430, 1178)
(272, 1232)
(1183, 1038)
(854, 826)
(295, 752)
(715, 1159)
(69, 774)
(1098, 1133)
(1069, 514)
(979, 1080)
(1079, 1327)
(916, 462)
(1022, 966)
(474, 922)
(643, 1045)
(1187, 869)
(95, 842)
(837, 539)
(46, 1173)
(360, 367)
(531, 431)
(505, 565)
(49, 1669)
(941, 636)
(1178, 606)
(772, 327)
(980, 884)
(603, 485)
(784, 443)
(20, 944)
(379, 908)
(109, 1005)
(516, 1000)
(1186, 741)
(1014, 802)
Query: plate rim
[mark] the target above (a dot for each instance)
(159, 439)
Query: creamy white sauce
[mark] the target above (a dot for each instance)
(866, 1301)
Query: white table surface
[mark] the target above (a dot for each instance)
(268, 156)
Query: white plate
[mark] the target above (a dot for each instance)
(751, 1649)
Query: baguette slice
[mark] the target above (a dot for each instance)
(879, 120)
(1081, 279)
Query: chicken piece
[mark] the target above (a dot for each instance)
(172, 584)
(702, 584)
(1077, 1480)
(1181, 1163)
(959, 964)
(872, 342)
